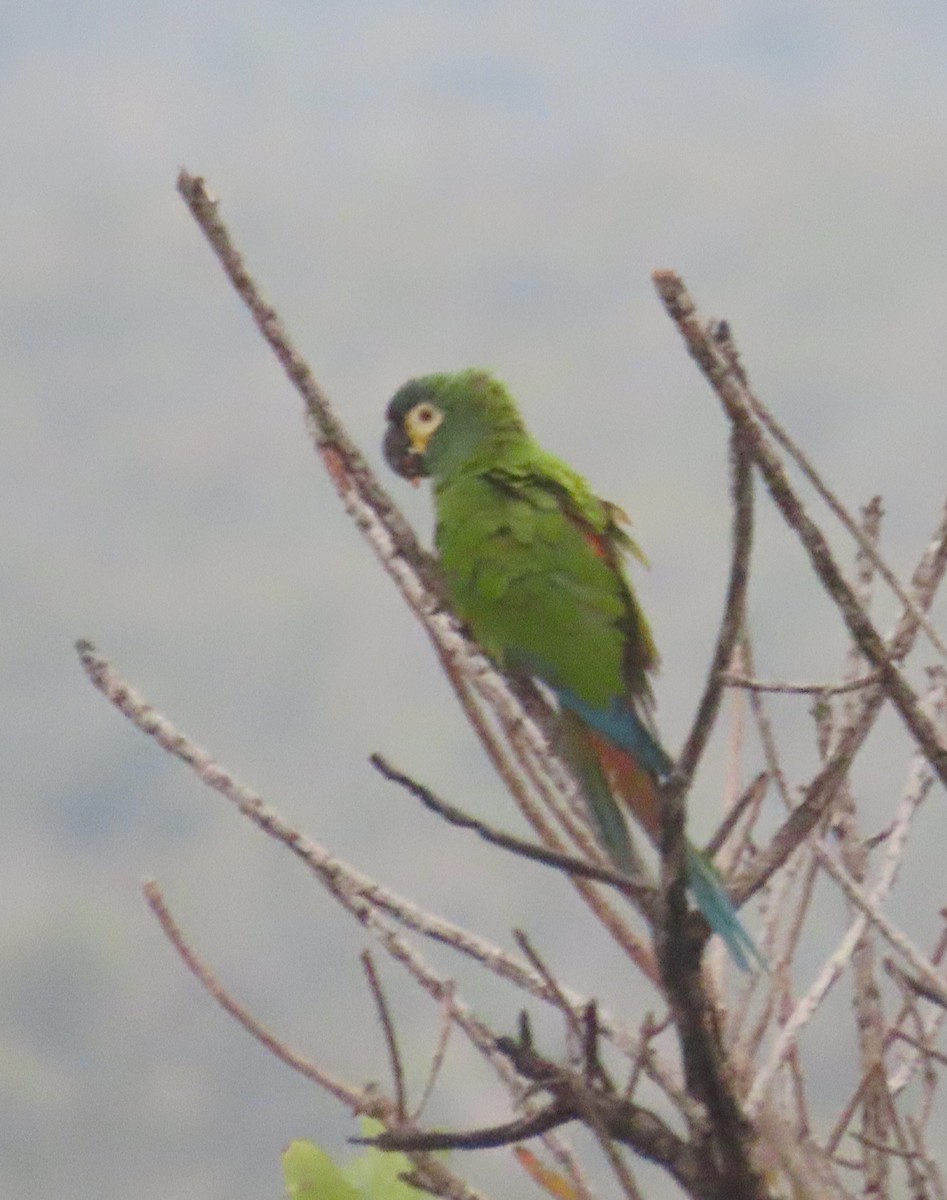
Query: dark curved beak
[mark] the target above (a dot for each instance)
(399, 455)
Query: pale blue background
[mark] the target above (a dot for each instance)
(418, 186)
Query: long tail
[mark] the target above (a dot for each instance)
(578, 749)
(712, 900)
(608, 768)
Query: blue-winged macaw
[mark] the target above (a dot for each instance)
(533, 564)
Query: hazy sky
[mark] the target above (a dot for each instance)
(418, 186)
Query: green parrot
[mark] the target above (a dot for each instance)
(533, 565)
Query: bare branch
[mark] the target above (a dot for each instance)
(731, 387)
(877, 1108)
(365, 899)
(749, 801)
(695, 1019)
(359, 1100)
(391, 1040)
(624, 1121)
(431, 1174)
(781, 687)
(869, 913)
(572, 1019)
(741, 486)
(865, 544)
(489, 1137)
(342, 456)
(926, 1050)
(642, 893)
(437, 1062)
(901, 1075)
(820, 794)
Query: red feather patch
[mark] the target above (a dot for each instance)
(630, 783)
(598, 543)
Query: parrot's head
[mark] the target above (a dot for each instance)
(438, 422)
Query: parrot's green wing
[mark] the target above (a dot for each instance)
(533, 562)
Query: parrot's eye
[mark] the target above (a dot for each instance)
(425, 414)
(421, 422)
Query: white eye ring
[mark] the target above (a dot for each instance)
(424, 414)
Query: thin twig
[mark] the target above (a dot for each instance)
(781, 687)
(894, 1151)
(649, 1029)
(750, 799)
(340, 451)
(917, 986)
(741, 486)
(456, 816)
(489, 1137)
(538, 965)
(391, 1040)
(927, 1051)
(440, 1052)
(359, 1100)
(877, 1105)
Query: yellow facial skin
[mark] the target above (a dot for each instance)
(420, 424)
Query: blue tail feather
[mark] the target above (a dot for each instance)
(606, 815)
(623, 727)
(717, 907)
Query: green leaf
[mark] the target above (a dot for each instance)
(375, 1173)
(310, 1174)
